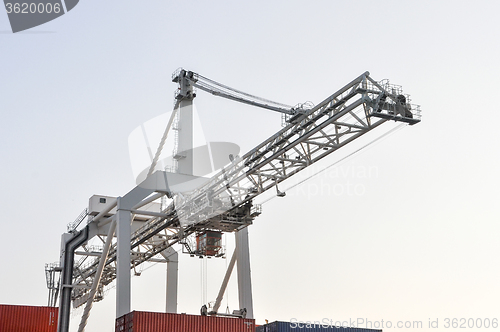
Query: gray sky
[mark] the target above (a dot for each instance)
(418, 241)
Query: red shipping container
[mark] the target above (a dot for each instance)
(140, 321)
(23, 318)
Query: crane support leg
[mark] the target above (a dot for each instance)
(67, 278)
(244, 277)
(123, 287)
(172, 258)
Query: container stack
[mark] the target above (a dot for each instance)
(23, 318)
(140, 321)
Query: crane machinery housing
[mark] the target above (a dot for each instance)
(135, 228)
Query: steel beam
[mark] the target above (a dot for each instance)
(244, 275)
(123, 287)
(172, 258)
(223, 287)
(97, 277)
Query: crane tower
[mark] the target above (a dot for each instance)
(135, 228)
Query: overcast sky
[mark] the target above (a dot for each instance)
(419, 240)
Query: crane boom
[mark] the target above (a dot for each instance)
(340, 119)
(226, 201)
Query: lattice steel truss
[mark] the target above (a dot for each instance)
(225, 202)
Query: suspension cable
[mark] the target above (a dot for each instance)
(211, 83)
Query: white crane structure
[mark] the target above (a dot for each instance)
(135, 228)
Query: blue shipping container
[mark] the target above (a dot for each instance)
(294, 327)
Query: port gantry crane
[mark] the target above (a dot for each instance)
(146, 231)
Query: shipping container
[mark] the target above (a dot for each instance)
(307, 327)
(140, 321)
(23, 318)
